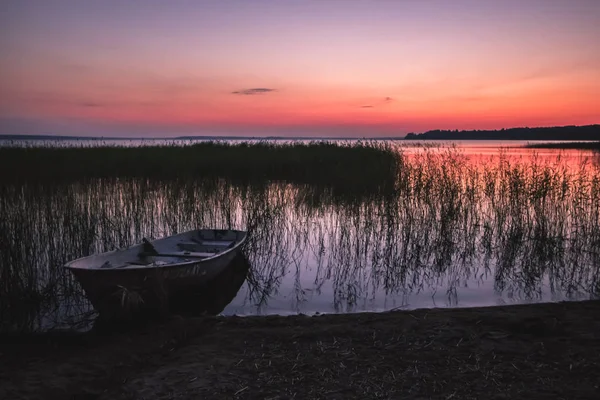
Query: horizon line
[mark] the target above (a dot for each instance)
(17, 136)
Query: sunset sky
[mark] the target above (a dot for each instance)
(303, 68)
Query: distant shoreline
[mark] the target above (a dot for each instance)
(211, 138)
(567, 133)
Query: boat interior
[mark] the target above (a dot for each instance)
(182, 248)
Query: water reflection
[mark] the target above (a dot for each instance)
(455, 232)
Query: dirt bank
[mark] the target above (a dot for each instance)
(544, 351)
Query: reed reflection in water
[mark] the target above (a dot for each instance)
(455, 232)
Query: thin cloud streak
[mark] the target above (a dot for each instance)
(91, 104)
(253, 91)
(386, 100)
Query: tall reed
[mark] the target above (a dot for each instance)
(529, 226)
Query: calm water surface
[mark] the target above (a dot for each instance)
(473, 224)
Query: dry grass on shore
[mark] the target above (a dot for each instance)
(543, 350)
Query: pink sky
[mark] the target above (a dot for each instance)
(352, 68)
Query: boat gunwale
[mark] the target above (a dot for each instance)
(69, 265)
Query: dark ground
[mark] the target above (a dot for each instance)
(514, 352)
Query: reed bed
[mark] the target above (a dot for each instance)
(531, 227)
(363, 166)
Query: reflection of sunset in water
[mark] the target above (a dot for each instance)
(464, 227)
(490, 147)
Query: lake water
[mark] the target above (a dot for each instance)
(472, 224)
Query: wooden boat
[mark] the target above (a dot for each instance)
(143, 277)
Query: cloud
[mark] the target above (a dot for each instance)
(64, 99)
(253, 91)
(386, 100)
(91, 104)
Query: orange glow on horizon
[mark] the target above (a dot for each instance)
(286, 109)
(397, 68)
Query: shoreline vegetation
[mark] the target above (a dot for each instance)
(440, 218)
(360, 169)
(363, 166)
(376, 219)
(547, 350)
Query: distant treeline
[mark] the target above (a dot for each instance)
(587, 132)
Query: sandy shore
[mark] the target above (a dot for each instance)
(540, 351)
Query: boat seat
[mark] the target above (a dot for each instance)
(219, 243)
(137, 263)
(180, 254)
(188, 254)
(188, 246)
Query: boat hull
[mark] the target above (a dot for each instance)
(124, 293)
